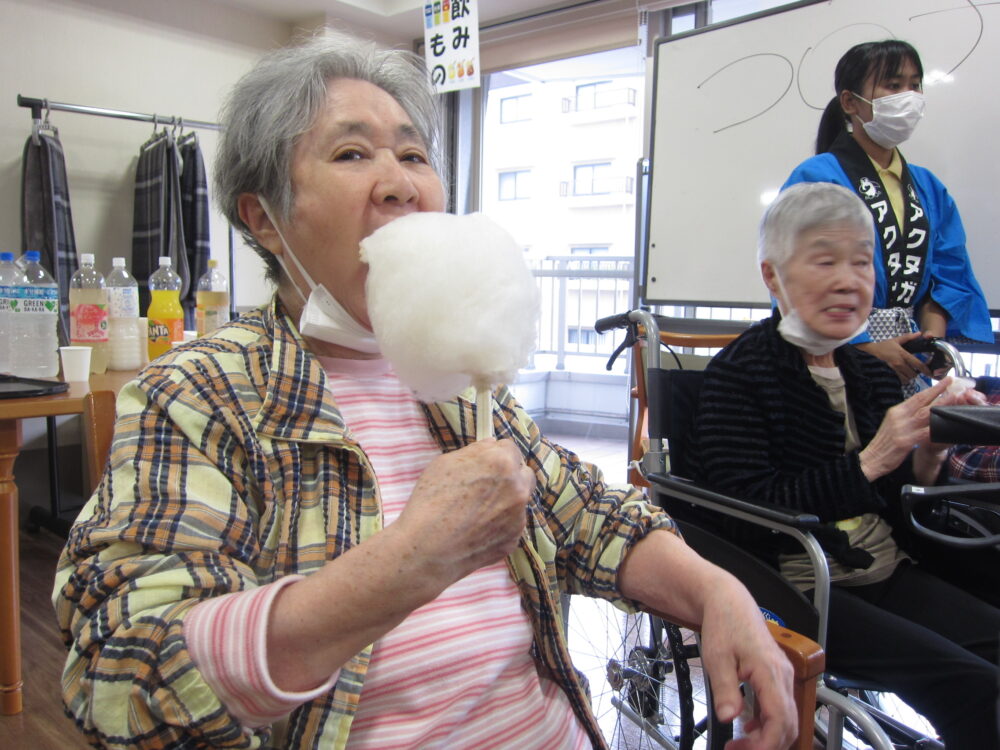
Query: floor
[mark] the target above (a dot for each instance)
(611, 456)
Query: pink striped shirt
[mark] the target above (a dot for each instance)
(456, 673)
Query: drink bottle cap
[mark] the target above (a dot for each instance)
(6, 257)
(118, 263)
(164, 261)
(87, 259)
(212, 263)
(32, 256)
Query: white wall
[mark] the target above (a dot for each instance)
(177, 58)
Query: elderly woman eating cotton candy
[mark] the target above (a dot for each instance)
(791, 415)
(289, 549)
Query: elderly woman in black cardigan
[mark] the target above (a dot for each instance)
(792, 415)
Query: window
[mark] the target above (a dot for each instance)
(592, 179)
(514, 185)
(723, 10)
(587, 336)
(683, 19)
(589, 95)
(515, 108)
(589, 250)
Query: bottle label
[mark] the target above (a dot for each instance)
(89, 323)
(38, 299)
(166, 331)
(7, 296)
(207, 319)
(123, 302)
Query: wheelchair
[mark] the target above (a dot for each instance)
(651, 667)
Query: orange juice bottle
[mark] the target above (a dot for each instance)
(165, 314)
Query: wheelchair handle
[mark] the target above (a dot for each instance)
(943, 353)
(621, 320)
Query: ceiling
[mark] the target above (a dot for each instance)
(392, 19)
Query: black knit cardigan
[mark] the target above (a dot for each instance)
(765, 431)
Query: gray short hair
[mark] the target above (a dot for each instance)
(804, 206)
(278, 101)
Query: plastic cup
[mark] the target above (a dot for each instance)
(75, 363)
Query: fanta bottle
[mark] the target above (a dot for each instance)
(165, 314)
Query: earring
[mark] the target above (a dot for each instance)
(849, 126)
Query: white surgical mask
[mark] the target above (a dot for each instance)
(794, 330)
(323, 317)
(894, 117)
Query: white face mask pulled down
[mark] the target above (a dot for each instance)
(795, 331)
(323, 317)
(894, 117)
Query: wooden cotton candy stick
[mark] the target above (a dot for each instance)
(484, 411)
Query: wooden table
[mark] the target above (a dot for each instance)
(12, 411)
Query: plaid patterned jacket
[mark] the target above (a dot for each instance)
(230, 468)
(978, 463)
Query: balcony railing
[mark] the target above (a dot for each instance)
(576, 291)
(600, 99)
(598, 186)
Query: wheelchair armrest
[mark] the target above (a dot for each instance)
(973, 425)
(980, 494)
(689, 491)
(975, 495)
(808, 661)
(795, 524)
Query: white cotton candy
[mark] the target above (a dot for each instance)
(959, 385)
(451, 302)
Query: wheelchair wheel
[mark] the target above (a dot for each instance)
(647, 687)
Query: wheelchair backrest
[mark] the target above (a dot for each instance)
(673, 400)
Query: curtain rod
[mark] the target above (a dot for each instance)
(37, 105)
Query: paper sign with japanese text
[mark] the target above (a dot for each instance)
(451, 43)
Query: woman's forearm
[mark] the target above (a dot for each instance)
(320, 622)
(927, 463)
(933, 319)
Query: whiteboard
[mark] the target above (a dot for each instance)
(736, 108)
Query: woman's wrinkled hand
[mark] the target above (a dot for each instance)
(904, 426)
(905, 364)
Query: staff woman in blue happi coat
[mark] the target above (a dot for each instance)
(923, 276)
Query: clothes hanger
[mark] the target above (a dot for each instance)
(191, 137)
(43, 125)
(155, 137)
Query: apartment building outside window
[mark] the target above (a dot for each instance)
(514, 185)
(515, 108)
(592, 179)
(592, 95)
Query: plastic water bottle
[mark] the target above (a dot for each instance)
(88, 312)
(165, 314)
(212, 299)
(124, 341)
(9, 276)
(34, 323)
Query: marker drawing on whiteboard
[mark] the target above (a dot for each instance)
(979, 38)
(772, 105)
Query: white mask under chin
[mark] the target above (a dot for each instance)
(795, 331)
(323, 317)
